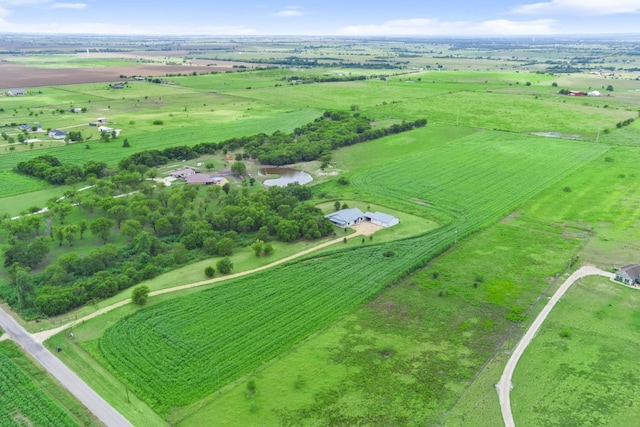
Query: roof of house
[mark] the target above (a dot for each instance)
(379, 216)
(345, 216)
(17, 90)
(632, 270)
(185, 170)
(198, 178)
(57, 132)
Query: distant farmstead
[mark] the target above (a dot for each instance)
(629, 275)
(57, 134)
(353, 216)
(16, 92)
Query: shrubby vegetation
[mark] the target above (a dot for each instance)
(163, 228)
(310, 142)
(50, 169)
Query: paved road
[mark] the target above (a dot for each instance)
(96, 404)
(504, 386)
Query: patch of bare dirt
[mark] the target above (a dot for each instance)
(366, 228)
(15, 75)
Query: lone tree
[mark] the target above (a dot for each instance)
(239, 168)
(140, 295)
(209, 272)
(224, 265)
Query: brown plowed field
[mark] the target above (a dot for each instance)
(21, 76)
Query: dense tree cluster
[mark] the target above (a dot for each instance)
(54, 172)
(161, 228)
(310, 142)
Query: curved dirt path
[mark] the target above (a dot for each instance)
(505, 386)
(363, 229)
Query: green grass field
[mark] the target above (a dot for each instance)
(336, 275)
(581, 368)
(326, 351)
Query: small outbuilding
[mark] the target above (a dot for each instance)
(183, 172)
(382, 219)
(629, 275)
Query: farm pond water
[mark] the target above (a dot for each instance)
(287, 176)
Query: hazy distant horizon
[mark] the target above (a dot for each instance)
(330, 18)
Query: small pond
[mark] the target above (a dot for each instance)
(287, 176)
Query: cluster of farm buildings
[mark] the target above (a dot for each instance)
(192, 177)
(353, 216)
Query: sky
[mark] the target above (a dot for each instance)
(322, 17)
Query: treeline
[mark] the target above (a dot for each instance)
(54, 172)
(164, 228)
(625, 123)
(313, 141)
(323, 79)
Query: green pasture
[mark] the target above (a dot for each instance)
(31, 397)
(581, 368)
(486, 164)
(425, 339)
(325, 339)
(602, 201)
(12, 183)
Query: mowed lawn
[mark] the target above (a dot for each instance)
(582, 368)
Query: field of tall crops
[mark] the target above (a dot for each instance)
(24, 403)
(188, 347)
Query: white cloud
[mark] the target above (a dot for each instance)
(4, 12)
(68, 6)
(434, 27)
(290, 11)
(18, 3)
(584, 7)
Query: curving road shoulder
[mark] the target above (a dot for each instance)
(85, 394)
(504, 386)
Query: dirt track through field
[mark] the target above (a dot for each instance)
(362, 229)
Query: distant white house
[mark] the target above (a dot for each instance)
(77, 110)
(594, 93)
(353, 216)
(104, 129)
(101, 120)
(57, 134)
(16, 92)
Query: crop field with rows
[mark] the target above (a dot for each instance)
(22, 402)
